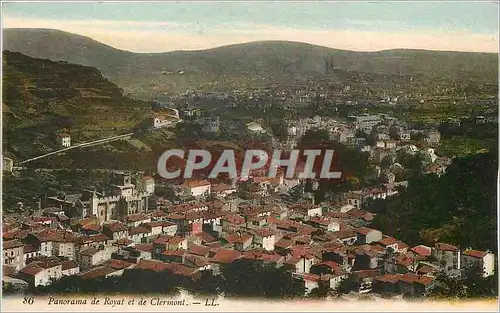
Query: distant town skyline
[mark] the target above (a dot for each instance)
(359, 26)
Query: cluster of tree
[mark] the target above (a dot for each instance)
(31, 185)
(279, 129)
(250, 279)
(131, 282)
(239, 279)
(353, 164)
(471, 284)
(468, 128)
(459, 207)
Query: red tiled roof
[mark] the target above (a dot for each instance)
(293, 260)
(388, 241)
(158, 213)
(284, 243)
(11, 244)
(196, 260)
(199, 250)
(475, 253)
(221, 187)
(182, 270)
(32, 269)
(138, 230)
(116, 264)
(15, 234)
(58, 235)
(310, 277)
(226, 256)
(409, 278)
(89, 251)
(234, 219)
(363, 230)
(422, 250)
(366, 273)
(66, 265)
(146, 247)
(402, 245)
(176, 240)
(426, 269)
(154, 265)
(445, 247)
(137, 217)
(96, 272)
(98, 238)
(206, 237)
(263, 232)
(235, 238)
(336, 268)
(404, 260)
(425, 280)
(175, 216)
(29, 249)
(115, 227)
(93, 227)
(262, 256)
(162, 239)
(196, 183)
(180, 252)
(388, 278)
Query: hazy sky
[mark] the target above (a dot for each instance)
(366, 26)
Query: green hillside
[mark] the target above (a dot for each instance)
(43, 97)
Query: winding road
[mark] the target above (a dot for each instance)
(90, 143)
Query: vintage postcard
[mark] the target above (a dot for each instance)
(249, 156)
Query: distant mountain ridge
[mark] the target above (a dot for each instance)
(241, 65)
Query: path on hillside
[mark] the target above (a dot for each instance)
(80, 145)
(89, 143)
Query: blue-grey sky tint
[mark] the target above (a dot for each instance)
(467, 26)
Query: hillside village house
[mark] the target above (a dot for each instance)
(330, 270)
(29, 252)
(264, 238)
(164, 243)
(147, 184)
(222, 190)
(115, 231)
(70, 268)
(63, 139)
(485, 261)
(241, 242)
(301, 264)
(42, 272)
(13, 252)
(137, 219)
(90, 257)
(7, 164)
(365, 235)
(164, 118)
(448, 256)
(197, 187)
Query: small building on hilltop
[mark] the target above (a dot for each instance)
(63, 139)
